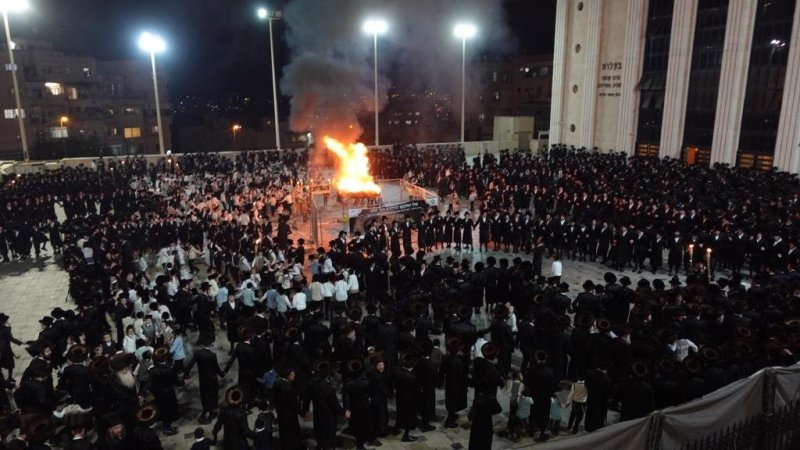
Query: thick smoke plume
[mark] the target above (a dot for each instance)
(330, 76)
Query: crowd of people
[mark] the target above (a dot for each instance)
(189, 265)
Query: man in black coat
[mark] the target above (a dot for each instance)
(541, 381)
(407, 393)
(598, 387)
(356, 398)
(208, 371)
(453, 373)
(288, 408)
(637, 396)
(246, 355)
(232, 421)
(163, 379)
(76, 379)
(426, 375)
(326, 406)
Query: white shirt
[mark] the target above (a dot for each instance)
(340, 291)
(556, 268)
(299, 301)
(352, 283)
(327, 289)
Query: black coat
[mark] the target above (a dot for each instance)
(379, 394)
(246, 355)
(232, 420)
(453, 372)
(638, 400)
(426, 377)
(208, 371)
(407, 393)
(76, 379)
(481, 428)
(356, 398)
(326, 410)
(288, 408)
(163, 380)
(598, 388)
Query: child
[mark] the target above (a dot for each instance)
(578, 396)
(513, 399)
(263, 438)
(555, 415)
(523, 415)
(200, 440)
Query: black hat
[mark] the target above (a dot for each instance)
(38, 428)
(666, 364)
(640, 369)
(354, 313)
(57, 313)
(77, 353)
(454, 344)
(564, 287)
(323, 368)
(147, 414)
(355, 366)
(674, 281)
(588, 284)
(541, 357)
(235, 395)
(625, 281)
(643, 283)
(408, 324)
(418, 308)
(564, 321)
(292, 334)
(692, 364)
(745, 348)
(99, 365)
(603, 324)
(408, 359)
(584, 320)
(464, 312)
(160, 356)
(709, 353)
(489, 350)
(3, 318)
(46, 321)
(658, 285)
(609, 278)
(502, 312)
(205, 339)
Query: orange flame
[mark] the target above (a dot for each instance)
(353, 176)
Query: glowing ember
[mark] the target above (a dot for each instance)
(353, 176)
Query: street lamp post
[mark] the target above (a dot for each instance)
(154, 44)
(235, 128)
(375, 27)
(6, 6)
(464, 31)
(263, 14)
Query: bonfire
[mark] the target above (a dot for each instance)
(353, 179)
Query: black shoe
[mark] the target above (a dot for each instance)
(204, 419)
(170, 431)
(375, 443)
(426, 427)
(409, 439)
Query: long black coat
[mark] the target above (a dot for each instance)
(379, 405)
(76, 379)
(326, 410)
(638, 400)
(407, 393)
(246, 355)
(6, 355)
(481, 428)
(426, 377)
(232, 420)
(163, 380)
(356, 397)
(208, 372)
(453, 372)
(598, 387)
(288, 408)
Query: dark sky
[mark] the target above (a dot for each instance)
(216, 47)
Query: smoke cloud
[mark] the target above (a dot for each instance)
(330, 76)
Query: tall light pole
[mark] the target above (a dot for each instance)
(375, 27)
(269, 16)
(153, 44)
(6, 6)
(235, 128)
(464, 31)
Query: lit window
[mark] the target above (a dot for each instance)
(58, 132)
(481, 117)
(494, 77)
(497, 95)
(154, 130)
(417, 112)
(134, 132)
(131, 112)
(73, 93)
(408, 122)
(87, 72)
(55, 88)
(12, 113)
(114, 131)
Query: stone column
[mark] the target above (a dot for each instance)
(787, 145)
(631, 74)
(595, 13)
(733, 80)
(559, 72)
(684, 15)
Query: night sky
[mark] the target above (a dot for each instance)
(216, 47)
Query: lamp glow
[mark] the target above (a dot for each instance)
(465, 31)
(14, 5)
(152, 43)
(375, 26)
(262, 13)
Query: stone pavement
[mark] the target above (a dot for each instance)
(29, 290)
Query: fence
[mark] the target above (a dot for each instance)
(761, 411)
